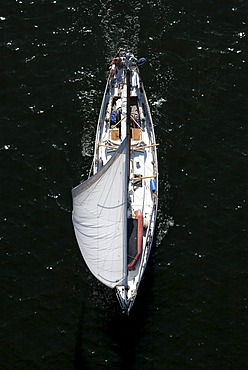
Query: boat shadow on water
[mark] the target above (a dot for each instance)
(107, 337)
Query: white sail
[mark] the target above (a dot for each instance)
(100, 220)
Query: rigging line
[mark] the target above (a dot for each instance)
(143, 177)
(114, 126)
(109, 146)
(144, 147)
(135, 121)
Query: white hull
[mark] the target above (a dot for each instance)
(143, 161)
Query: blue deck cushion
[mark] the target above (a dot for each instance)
(113, 116)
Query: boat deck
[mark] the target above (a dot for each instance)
(143, 163)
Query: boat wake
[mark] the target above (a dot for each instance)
(120, 25)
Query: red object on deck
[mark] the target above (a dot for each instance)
(139, 217)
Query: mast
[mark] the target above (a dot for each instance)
(128, 121)
(128, 134)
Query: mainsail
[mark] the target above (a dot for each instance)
(100, 219)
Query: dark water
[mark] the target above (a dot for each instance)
(192, 307)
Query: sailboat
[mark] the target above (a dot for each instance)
(114, 210)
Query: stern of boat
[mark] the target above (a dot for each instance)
(125, 300)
